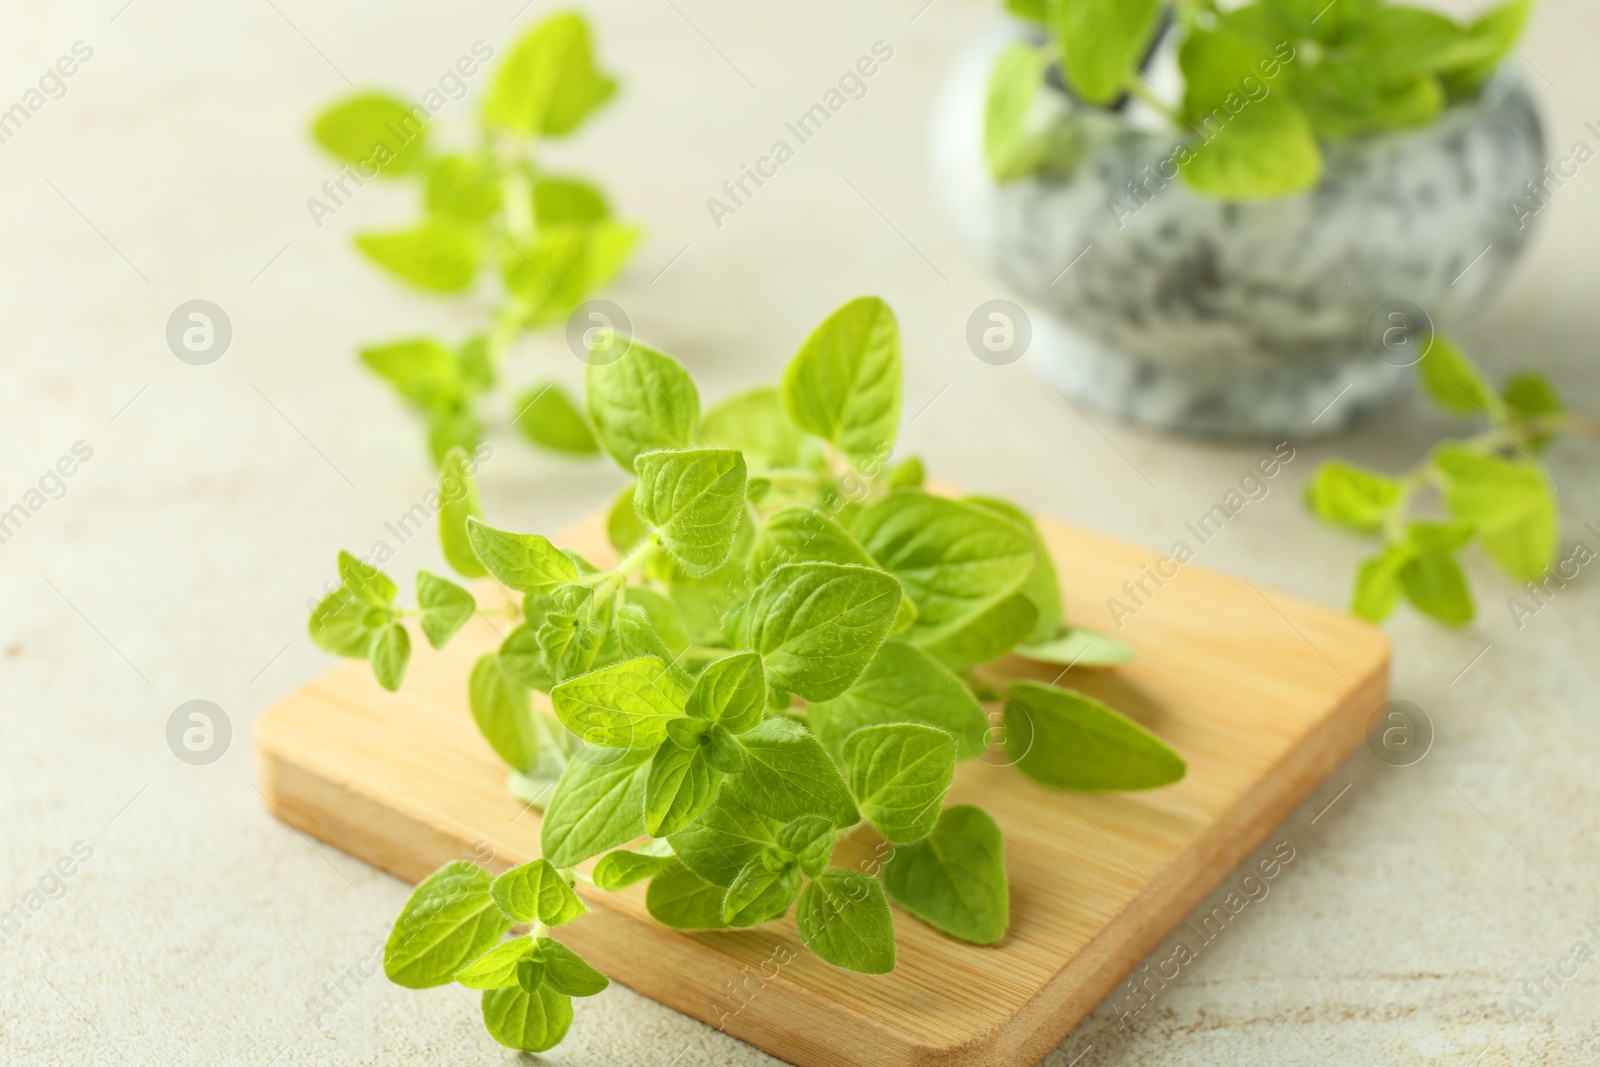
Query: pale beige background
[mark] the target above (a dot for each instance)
(178, 563)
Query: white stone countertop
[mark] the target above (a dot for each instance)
(196, 929)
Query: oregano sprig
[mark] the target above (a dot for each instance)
(494, 205)
(1490, 490)
(1264, 83)
(790, 648)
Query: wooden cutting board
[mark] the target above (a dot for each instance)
(1264, 696)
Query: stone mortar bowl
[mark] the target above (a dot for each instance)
(1265, 318)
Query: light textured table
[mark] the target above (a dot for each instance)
(177, 564)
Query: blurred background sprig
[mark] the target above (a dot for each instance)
(1490, 489)
(491, 207)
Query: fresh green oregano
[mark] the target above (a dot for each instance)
(1492, 490)
(1264, 83)
(492, 207)
(789, 649)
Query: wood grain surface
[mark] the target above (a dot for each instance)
(1264, 696)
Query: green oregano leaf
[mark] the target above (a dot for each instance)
(528, 1022)
(1075, 646)
(438, 255)
(844, 383)
(502, 708)
(449, 920)
(809, 839)
(458, 503)
(902, 684)
(1354, 497)
(598, 805)
(731, 691)
(681, 785)
(844, 918)
(1455, 384)
(496, 968)
(527, 563)
(548, 83)
(641, 402)
(955, 560)
(694, 499)
(622, 868)
(788, 774)
(536, 892)
(390, 651)
(1509, 501)
(754, 423)
(1102, 41)
(548, 417)
(899, 774)
(1071, 741)
(724, 838)
(365, 582)
(955, 878)
(567, 972)
(446, 607)
(625, 705)
(760, 893)
(816, 626)
(375, 130)
(681, 899)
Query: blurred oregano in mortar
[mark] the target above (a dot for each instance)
(792, 643)
(1491, 488)
(1263, 83)
(493, 206)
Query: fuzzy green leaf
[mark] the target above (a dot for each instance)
(903, 684)
(809, 839)
(1071, 741)
(437, 255)
(788, 774)
(527, 563)
(844, 383)
(818, 625)
(497, 968)
(732, 691)
(390, 651)
(641, 402)
(755, 423)
(446, 607)
(955, 878)
(598, 805)
(724, 838)
(844, 918)
(694, 499)
(528, 1022)
(1354, 497)
(681, 899)
(374, 130)
(563, 201)
(681, 785)
(1074, 646)
(955, 560)
(1509, 501)
(536, 892)
(899, 774)
(625, 705)
(760, 894)
(1455, 384)
(449, 920)
(622, 868)
(1102, 41)
(548, 84)
(1434, 584)
(548, 417)
(567, 972)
